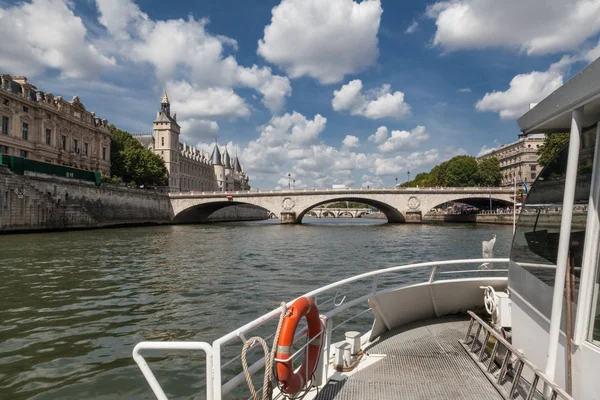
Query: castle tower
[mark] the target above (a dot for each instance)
(228, 170)
(166, 142)
(219, 169)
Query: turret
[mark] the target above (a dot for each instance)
(166, 141)
(236, 165)
(219, 169)
(165, 106)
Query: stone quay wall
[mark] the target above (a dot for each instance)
(53, 203)
(49, 203)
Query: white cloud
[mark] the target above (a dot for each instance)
(196, 130)
(472, 24)
(399, 140)
(484, 150)
(380, 136)
(375, 104)
(274, 88)
(185, 50)
(524, 89)
(47, 34)
(412, 27)
(464, 90)
(592, 54)
(322, 39)
(350, 141)
(191, 102)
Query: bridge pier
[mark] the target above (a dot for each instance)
(287, 217)
(413, 217)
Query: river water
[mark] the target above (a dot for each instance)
(75, 303)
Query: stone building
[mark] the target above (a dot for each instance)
(518, 160)
(189, 168)
(46, 128)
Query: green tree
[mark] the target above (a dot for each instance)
(461, 171)
(131, 162)
(553, 143)
(489, 172)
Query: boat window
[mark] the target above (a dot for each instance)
(535, 244)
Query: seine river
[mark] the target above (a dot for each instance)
(73, 304)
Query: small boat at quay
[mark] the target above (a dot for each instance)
(526, 327)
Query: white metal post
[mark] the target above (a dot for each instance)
(590, 254)
(514, 204)
(216, 370)
(322, 370)
(563, 242)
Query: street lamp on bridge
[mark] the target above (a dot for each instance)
(396, 181)
(289, 181)
(408, 174)
(294, 182)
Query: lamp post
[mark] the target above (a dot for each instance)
(294, 182)
(396, 181)
(289, 181)
(408, 173)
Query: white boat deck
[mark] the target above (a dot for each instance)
(424, 360)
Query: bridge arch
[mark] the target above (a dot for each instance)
(200, 212)
(392, 214)
(328, 214)
(482, 203)
(311, 214)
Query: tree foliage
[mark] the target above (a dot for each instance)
(460, 171)
(489, 172)
(131, 162)
(551, 147)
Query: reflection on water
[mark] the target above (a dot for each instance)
(75, 303)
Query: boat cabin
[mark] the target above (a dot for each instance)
(553, 270)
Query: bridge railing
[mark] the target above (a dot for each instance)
(309, 190)
(341, 302)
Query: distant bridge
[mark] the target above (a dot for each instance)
(290, 206)
(337, 212)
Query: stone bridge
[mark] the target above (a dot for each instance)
(290, 206)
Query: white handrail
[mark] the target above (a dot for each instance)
(220, 389)
(214, 387)
(151, 379)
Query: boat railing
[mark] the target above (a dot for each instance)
(332, 301)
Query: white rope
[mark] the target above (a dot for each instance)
(267, 388)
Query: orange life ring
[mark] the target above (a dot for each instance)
(293, 382)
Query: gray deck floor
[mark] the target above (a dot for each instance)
(424, 361)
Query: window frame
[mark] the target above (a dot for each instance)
(48, 136)
(25, 131)
(5, 124)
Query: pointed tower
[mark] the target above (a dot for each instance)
(219, 169)
(228, 171)
(236, 165)
(166, 141)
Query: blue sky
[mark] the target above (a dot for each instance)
(336, 91)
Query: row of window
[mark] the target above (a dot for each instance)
(5, 149)
(48, 138)
(23, 153)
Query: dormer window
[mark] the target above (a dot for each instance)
(25, 109)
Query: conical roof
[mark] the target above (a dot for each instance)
(236, 165)
(216, 156)
(226, 159)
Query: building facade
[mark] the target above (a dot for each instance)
(189, 168)
(518, 160)
(49, 129)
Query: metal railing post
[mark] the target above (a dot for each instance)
(322, 370)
